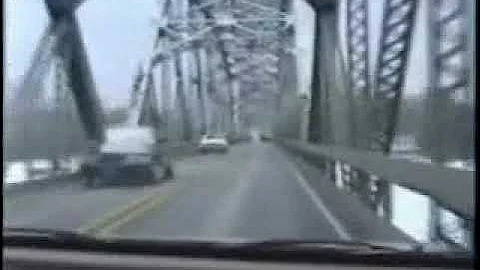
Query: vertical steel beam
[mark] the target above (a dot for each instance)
(186, 122)
(230, 87)
(236, 105)
(386, 193)
(201, 89)
(42, 57)
(210, 87)
(81, 78)
(314, 131)
(451, 50)
(359, 71)
(137, 81)
(434, 222)
(451, 76)
(149, 114)
(397, 31)
(323, 76)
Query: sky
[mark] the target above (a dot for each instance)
(118, 34)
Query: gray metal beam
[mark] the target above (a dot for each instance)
(359, 71)
(390, 75)
(314, 126)
(324, 88)
(442, 16)
(200, 81)
(58, 8)
(318, 4)
(452, 189)
(72, 49)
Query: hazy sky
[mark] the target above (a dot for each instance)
(118, 34)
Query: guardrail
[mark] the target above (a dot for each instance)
(453, 189)
(42, 182)
(450, 189)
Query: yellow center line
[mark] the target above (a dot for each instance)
(115, 219)
(154, 204)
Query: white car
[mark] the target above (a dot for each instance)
(213, 143)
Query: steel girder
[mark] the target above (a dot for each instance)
(359, 72)
(318, 4)
(58, 8)
(397, 31)
(62, 42)
(70, 46)
(225, 52)
(207, 23)
(451, 94)
(72, 49)
(450, 25)
(63, 39)
(42, 58)
(320, 127)
(149, 115)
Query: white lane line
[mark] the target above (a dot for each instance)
(341, 231)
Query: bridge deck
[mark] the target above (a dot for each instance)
(256, 191)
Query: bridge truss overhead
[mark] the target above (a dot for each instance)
(226, 50)
(36, 114)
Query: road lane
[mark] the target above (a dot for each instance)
(255, 191)
(251, 192)
(67, 205)
(205, 179)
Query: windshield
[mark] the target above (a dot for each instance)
(346, 121)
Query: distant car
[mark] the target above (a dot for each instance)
(239, 138)
(128, 156)
(213, 143)
(266, 136)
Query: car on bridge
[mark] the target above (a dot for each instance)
(213, 143)
(238, 138)
(266, 136)
(129, 155)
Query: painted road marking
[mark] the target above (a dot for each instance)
(341, 231)
(153, 204)
(105, 223)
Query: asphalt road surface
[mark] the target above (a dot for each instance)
(254, 191)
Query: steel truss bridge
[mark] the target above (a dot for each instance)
(226, 62)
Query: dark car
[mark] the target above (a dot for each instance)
(124, 168)
(131, 160)
(266, 136)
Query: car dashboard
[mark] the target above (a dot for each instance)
(26, 258)
(46, 249)
(20, 258)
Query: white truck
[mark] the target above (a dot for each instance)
(129, 155)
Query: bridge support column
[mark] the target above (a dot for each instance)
(235, 105)
(29, 169)
(469, 236)
(185, 117)
(199, 62)
(434, 224)
(384, 190)
(323, 75)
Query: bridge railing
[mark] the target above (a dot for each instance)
(370, 175)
